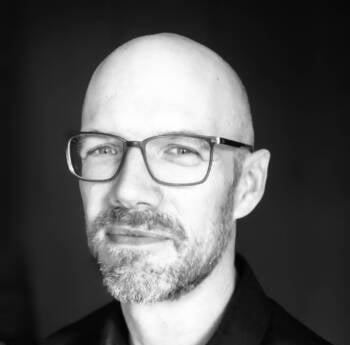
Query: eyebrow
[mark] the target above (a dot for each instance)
(179, 131)
(218, 140)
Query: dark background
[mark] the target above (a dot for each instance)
(290, 60)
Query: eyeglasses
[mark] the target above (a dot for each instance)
(173, 159)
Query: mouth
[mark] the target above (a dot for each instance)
(130, 236)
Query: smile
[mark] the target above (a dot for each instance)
(129, 236)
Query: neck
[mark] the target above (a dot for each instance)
(190, 320)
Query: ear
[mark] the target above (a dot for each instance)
(251, 185)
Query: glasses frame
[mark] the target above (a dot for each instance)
(211, 140)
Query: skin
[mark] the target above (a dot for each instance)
(163, 83)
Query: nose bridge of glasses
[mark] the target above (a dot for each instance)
(136, 144)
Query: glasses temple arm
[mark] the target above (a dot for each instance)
(233, 143)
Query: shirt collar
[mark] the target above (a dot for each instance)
(244, 321)
(248, 312)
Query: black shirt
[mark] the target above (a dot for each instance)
(250, 318)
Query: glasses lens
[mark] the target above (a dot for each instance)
(178, 159)
(95, 156)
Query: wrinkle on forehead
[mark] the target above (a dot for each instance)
(170, 66)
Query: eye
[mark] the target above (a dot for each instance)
(180, 151)
(102, 151)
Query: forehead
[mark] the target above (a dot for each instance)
(155, 93)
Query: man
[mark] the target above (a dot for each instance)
(166, 166)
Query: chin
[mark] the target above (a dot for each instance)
(133, 280)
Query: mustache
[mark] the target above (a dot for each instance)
(147, 219)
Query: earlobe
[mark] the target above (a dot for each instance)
(251, 185)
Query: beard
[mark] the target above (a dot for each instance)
(136, 276)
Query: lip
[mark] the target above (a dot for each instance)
(124, 235)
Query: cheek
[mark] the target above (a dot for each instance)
(199, 207)
(93, 196)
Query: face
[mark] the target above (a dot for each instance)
(155, 242)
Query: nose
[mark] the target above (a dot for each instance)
(134, 187)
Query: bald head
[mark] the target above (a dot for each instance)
(150, 86)
(156, 79)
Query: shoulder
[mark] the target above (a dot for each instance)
(88, 330)
(252, 318)
(285, 329)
